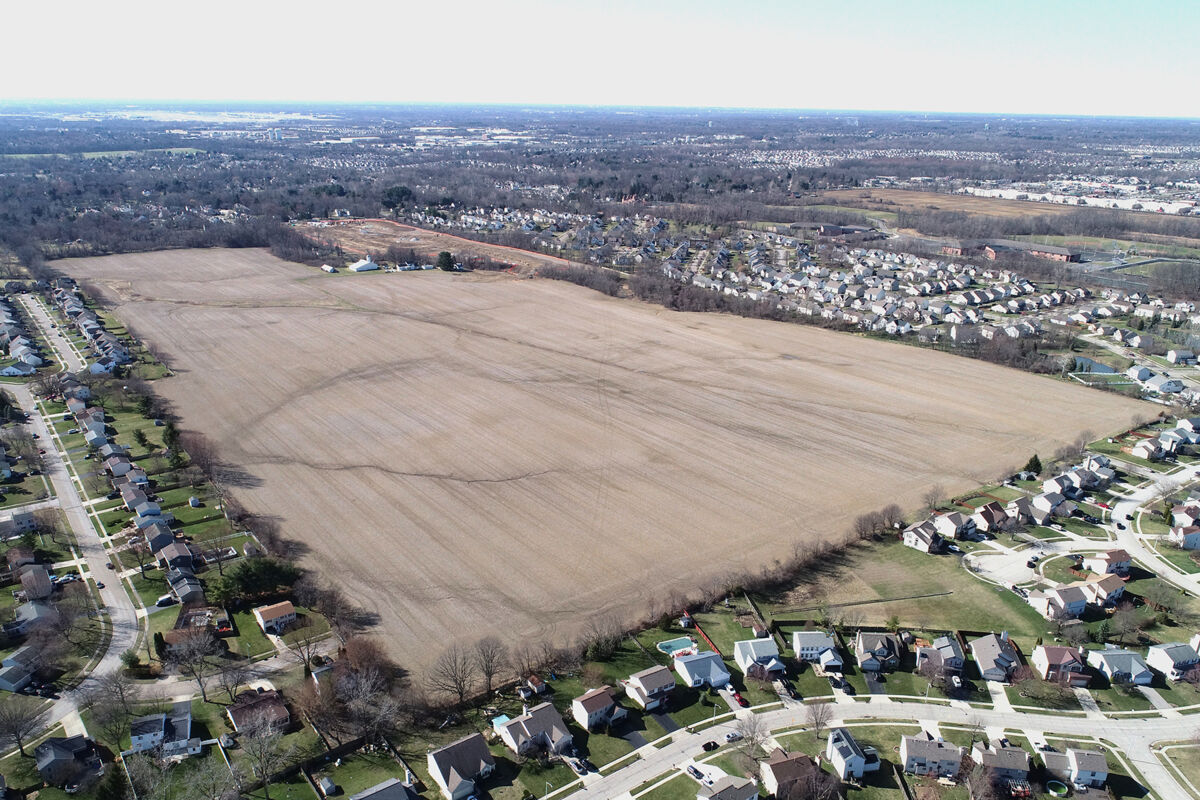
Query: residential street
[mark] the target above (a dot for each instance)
(1133, 738)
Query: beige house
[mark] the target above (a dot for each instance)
(274, 618)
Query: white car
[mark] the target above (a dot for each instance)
(733, 736)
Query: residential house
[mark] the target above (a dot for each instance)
(878, 652)
(275, 617)
(391, 789)
(995, 656)
(1187, 537)
(954, 525)
(65, 761)
(924, 755)
(176, 555)
(170, 734)
(1059, 664)
(651, 688)
(1173, 660)
(1087, 768)
(1149, 449)
(1103, 590)
(18, 669)
(1006, 763)
(944, 654)
(990, 517)
(185, 586)
(1054, 504)
(1063, 602)
(701, 669)
(784, 773)
(30, 616)
(1121, 666)
(539, 728)
(847, 757)
(729, 787)
(456, 767)
(597, 709)
(762, 654)
(263, 704)
(1117, 562)
(35, 582)
(817, 647)
(923, 536)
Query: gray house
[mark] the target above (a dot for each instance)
(995, 656)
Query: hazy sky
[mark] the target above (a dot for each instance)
(1036, 56)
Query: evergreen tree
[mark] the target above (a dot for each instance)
(445, 261)
(1034, 465)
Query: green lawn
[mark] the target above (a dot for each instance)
(361, 771)
(22, 488)
(1120, 699)
(1186, 759)
(678, 788)
(1180, 558)
(293, 787)
(250, 641)
(1179, 693)
(891, 570)
(308, 625)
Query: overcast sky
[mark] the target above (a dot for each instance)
(1036, 56)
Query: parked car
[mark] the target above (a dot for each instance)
(110, 565)
(588, 765)
(1129, 517)
(1031, 563)
(709, 746)
(741, 701)
(733, 736)
(575, 765)
(99, 584)
(1104, 505)
(1120, 526)
(847, 688)
(695, 773)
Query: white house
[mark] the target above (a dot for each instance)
(363, 265)
(1186, 537)
(275, 617)
(456, 767)
(541, 727)
(651, 687)
(1078, 767)
(817, 647)
(761, 652)
(701, 669)
(924, 537)
(597, 709)
(924, 755)
(1114, 561)
(1121, 666)
(847, 757)
(1063, 602)
(1173, 660)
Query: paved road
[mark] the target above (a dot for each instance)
(122, 612)
(1133, 738)
(68, 355)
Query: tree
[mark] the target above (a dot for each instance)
(265, 749)
(170, 435)
(115, 687)
(892, 515)
(304, 649)
(982, 783)
(20, 718)
(817, 716)
(141, 553)
(232, 674)
(892, 623)
(370, 707)
(754, 735)
(139, 437)
(111, 719)
(491, 656)
(201, 451)
(445, 261)
(194, 657)
(1163, 598)
(933, 496)
(1124, 620)
(321, 708)
(115, 786)
(454, 673)
(1034, 465)
(212, 780)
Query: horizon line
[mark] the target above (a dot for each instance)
(262, 104)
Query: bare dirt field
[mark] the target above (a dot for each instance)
(376, 235)
(906, 200)
(475, 453)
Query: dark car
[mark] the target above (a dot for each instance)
(847, 688)
(588, 765)
(708, 747)
(1031, 563)
(1120, 526)
(695, 773)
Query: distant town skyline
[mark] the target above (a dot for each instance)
(1068, 57)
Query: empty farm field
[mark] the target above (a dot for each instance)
(477, 453)
(906, 200)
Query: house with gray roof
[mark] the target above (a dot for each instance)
(456, 767)
(701, 669)
(924, 755)
(847, 757)
(539, 728)
(1120, 666)
(391, 789)
(1005, 762)
(1078, 767)
(944, 654)
(1173, 660)
(878, 651)
(817, 647)
(995, 656)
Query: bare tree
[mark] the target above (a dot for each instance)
(71, 614)
(1124, 620)
(115, 687)
(491, 657)
(265, 749)
(20, 718)
(934, 496)
(200, 450)
(817, 716)
(304, 649)
(213, 780)
(141, 554)
(525, 659)
(454, 673)
(112, 720)
(194, 657)
(754, 735)
(892, 515)
(370, 708)
(232, 674)
(982, 783)
(321, 708)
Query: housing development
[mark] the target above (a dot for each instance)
(643, 454)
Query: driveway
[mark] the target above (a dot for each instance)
(874, 685)
(669, 725)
